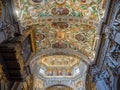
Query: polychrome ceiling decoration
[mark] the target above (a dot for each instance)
(59, 66)
(62, 23)
(58, 25)
(59, 61)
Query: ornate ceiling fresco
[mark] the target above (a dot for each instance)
(62, 23)
(59, 65)
(58, 25)
(59, 61)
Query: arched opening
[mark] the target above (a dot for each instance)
(59, 87)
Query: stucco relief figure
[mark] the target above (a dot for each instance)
(59, 72)
(50, 72)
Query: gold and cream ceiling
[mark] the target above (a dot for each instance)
(65, 32)
(62, 25)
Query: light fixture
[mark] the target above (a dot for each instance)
(17, 12)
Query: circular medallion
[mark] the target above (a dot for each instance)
(60, 2)
(79, 37)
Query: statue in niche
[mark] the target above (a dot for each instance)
(50, 72)
(59, 72)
